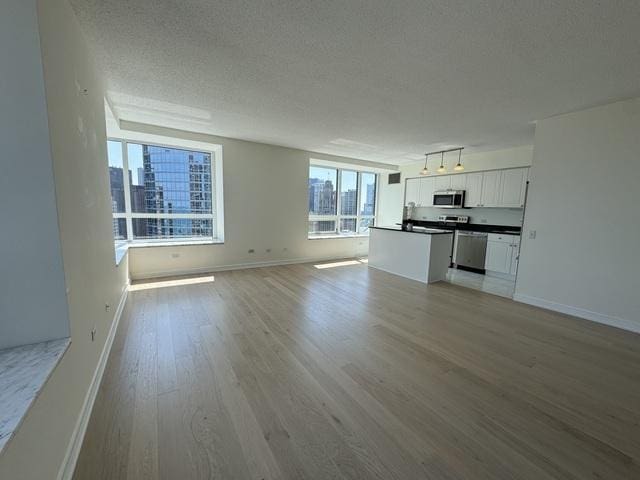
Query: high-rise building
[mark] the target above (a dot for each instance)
(117, 189)
(370, 200)
(176, 181)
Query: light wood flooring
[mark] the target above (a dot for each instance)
(348, 372)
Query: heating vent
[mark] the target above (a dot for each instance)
(394, 178)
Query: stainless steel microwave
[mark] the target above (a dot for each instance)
(448, 199)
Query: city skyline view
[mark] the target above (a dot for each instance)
(161, 181)
(324, 195)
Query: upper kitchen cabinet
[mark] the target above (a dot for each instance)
(412, 191)
(443, 182)
(427, 187)
(492, 188)
(459, 181)
(490, 195)
(473, 189)
(513, 186)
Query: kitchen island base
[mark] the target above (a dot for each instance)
(419, 255)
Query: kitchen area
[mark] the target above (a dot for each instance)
(483, 213)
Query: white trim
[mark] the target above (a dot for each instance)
(237, 266)
(618, 322)
(75, 444)
(354, 164)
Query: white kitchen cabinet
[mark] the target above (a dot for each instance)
(427, 187)
(492, 188)
(502, 253)
(490, 196)
(459, 181)
(412, 191)
(513, 185)
(498, 258)
(473, 189)
(443, 182)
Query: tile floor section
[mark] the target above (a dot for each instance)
(486, 283)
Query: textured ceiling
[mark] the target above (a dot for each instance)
(373, 79)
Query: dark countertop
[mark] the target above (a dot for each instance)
(430, 231)
(473, 227)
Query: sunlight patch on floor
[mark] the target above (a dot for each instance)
(170, 283)
(343, 263)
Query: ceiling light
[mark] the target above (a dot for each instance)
(425, 170)
(442, 168)
(459, 167)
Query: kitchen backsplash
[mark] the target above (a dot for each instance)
(490, 216)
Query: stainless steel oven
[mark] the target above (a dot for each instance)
(448, 199)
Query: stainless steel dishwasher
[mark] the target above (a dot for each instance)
(471, 249)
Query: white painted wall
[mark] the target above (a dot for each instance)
(393, 195)
(583, 203)
(78, 149)
(266, 207)
(33, 307)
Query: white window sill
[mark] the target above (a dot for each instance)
(23, 372)
(122, 249)
(174, 243)
(333, 237)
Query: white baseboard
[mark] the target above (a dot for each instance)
(237, 266)
(579, 312)
(75, 444)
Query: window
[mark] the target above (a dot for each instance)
(341, 202)
(166, 195)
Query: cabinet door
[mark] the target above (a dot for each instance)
(443, 182)
(498, 257)
(473, 190)
(427, 187)
(512, 187)
(490, 189)
(458, 181)
(412, 191)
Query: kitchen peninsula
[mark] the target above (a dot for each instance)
(423, 254)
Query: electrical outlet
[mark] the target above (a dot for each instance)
(106, 307)
(284, 249)
(175, 255)
(251, 250)
(93, 334)
(483, 220)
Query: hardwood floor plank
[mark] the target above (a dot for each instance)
(296, 372)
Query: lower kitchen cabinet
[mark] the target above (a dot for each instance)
(502, 253)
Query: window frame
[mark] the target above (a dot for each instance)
(338, 217)
(129, 215)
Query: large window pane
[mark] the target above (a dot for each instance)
(368, 195)
(322, 227)
(171, 228)
(365, 223)
(348, 193)
(119, 229)
(322, 191)
(116, 177)
(348, 226)
(169, 180)
(349, 212)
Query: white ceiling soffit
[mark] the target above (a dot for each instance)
(371, 79)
